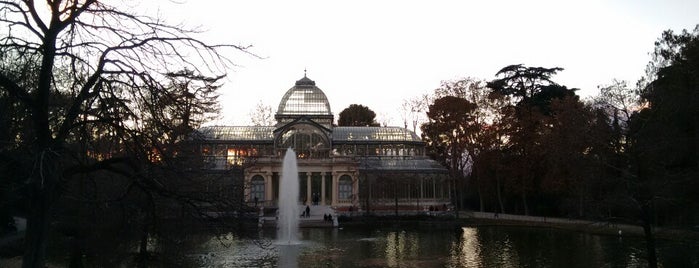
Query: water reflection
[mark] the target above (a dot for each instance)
(288, 256)
(538, 247)
(465, 252)
(401, 247)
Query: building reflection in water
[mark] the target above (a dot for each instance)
(475, 250)
(465, 251)
(401, 247)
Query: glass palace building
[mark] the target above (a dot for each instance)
(369, 168)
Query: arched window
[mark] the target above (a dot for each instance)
(257, 188)
(344, 187)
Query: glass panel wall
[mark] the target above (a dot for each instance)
(307, 142)
(275, 186)
(302, 188)
(344, 187)
(257, 189)
(316, 184)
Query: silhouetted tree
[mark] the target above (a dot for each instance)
(449, 136)
(107, 67)
(357, 115)
(663, 145)
(482, 138)
(530, 91)
(522, 82)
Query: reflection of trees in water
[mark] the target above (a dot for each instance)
(540, 247)
(496, 246)
(465, 251)
(169, 247)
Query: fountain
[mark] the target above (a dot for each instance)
(288, 222)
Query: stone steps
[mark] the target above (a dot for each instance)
(316, 218)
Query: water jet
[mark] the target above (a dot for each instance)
(288, 222)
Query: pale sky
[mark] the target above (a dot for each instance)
(379, 53)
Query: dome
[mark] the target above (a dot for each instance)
(304, 99)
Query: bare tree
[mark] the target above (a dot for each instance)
(383, 119)
(405, 112)
(418, 110)
(262, 115)
(619, 100)
(110, 65)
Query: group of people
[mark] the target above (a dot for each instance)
(327, 217)
(307, 213)
(436, 208)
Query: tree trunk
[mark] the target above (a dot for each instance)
(455, 198)
(37, 232)
(476, 181)
(395, 195)
(499, 194)
(45, 169)
(42, 195)
(367, 209)
(143, 248)
(480, 198)
(524, 202)
(524, 197)
(76, 251)
(648, 234)
(581, 203)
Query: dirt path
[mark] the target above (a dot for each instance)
(608, 228)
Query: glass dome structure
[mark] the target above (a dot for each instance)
(304, 99)
(340, 166)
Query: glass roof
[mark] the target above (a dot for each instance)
(406, 165)
(374, 134)
(340, 134)
(304, 99)
(238, 133)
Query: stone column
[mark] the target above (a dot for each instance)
(246, 187)
(309, 198)
(355, 188)
(334, 188)
(269, 192)
(328, 179)
(322, 189)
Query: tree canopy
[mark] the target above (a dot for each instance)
(357, 115)
(532, 146)
(522, 82)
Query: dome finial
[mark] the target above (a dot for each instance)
(305, 81)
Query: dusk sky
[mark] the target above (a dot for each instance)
(379, 53)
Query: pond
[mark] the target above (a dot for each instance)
(412, 246)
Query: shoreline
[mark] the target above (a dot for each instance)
(470, 218)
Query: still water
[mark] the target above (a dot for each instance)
(415, 246)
